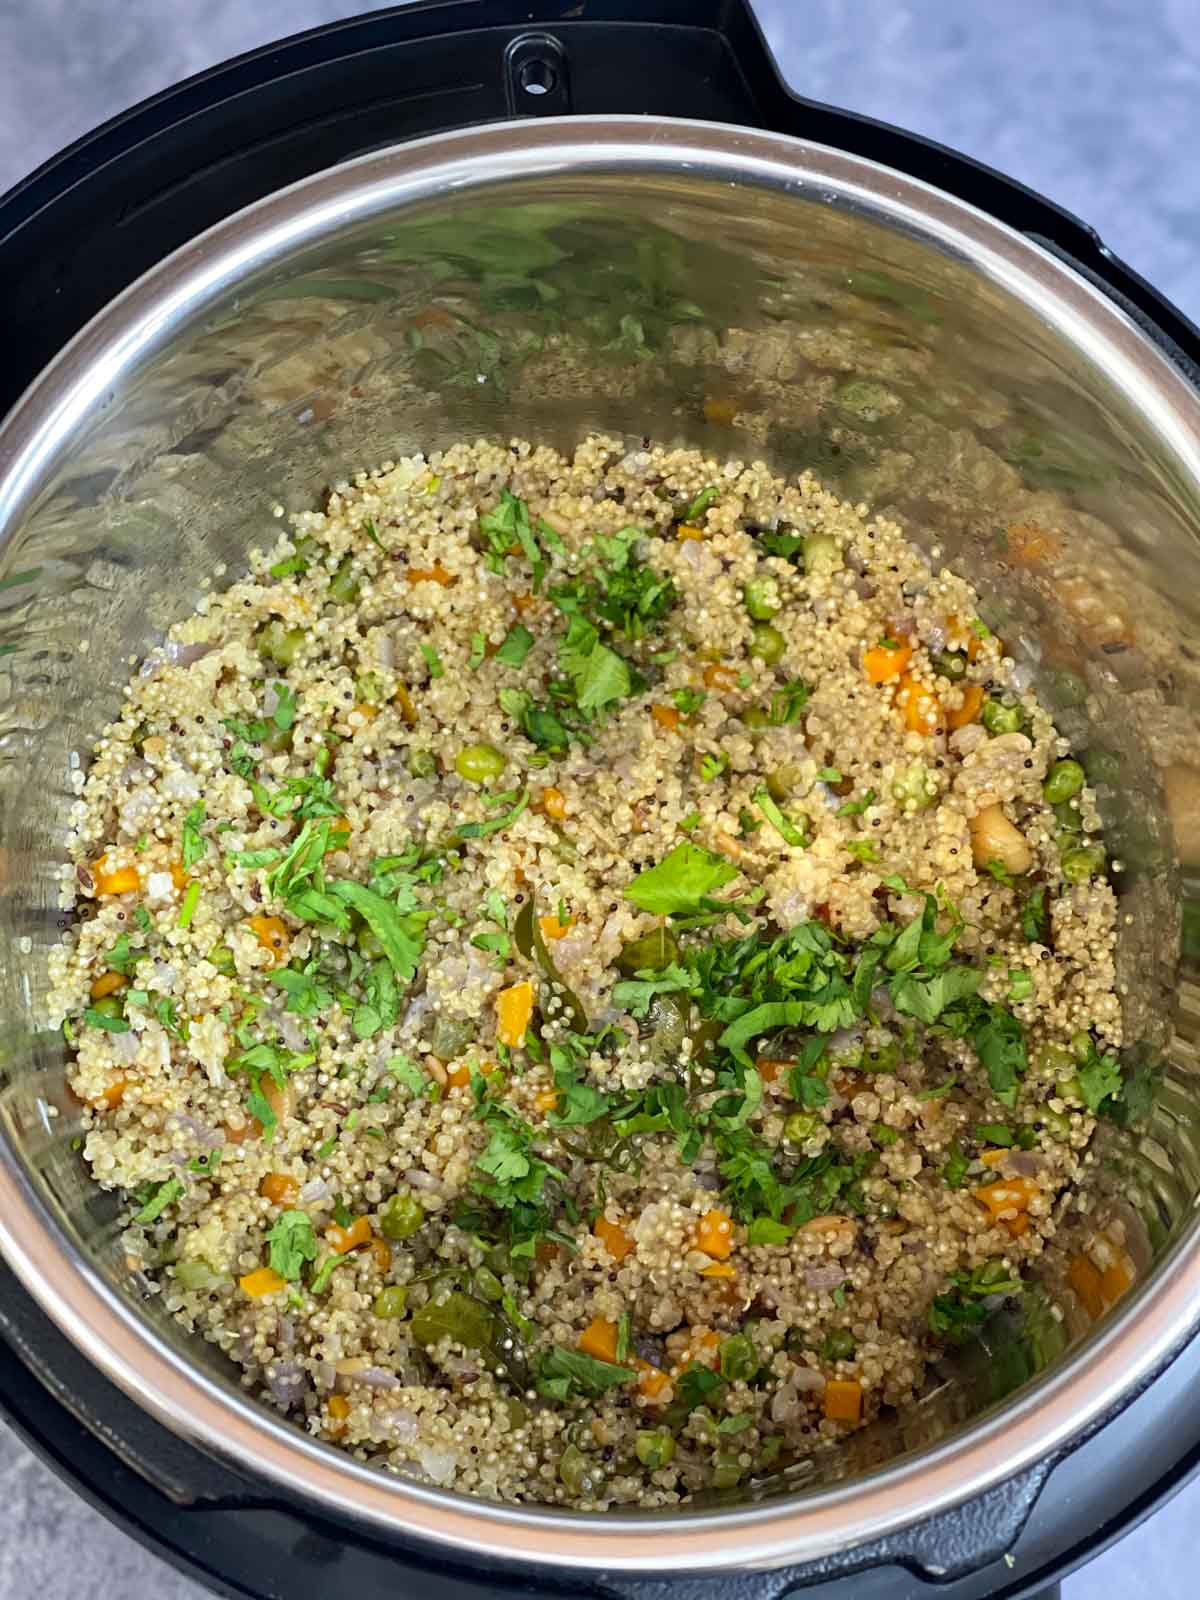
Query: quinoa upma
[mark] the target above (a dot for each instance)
(589, 973)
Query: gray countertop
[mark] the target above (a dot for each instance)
(1092, 102)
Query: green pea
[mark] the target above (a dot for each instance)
(1083, 862)
(1068, 818)
(479, 763)
(737, 1358)
(423, 764)
(654, 1447)
(578, 1474)
(488, 1284)
(761, 596)
(839, 1344)
(822, 554)
(391, 1303)
(727, 1470)
(1064, 779)
(279, 642)
(195, 1275)
(401, 1217)
(950, 664)
(345, 584)
(369, 686)
(801, 1125)
(767, 643)
(998, 718)
(109, 1005)
(1053, 1060)
(756, 717)
(914, 788)
(221, 957)
(783, 782)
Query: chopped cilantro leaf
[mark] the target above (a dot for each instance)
(194, 842)
(681, 882)
(516, 646)
(292, 1243)
(165, 1194)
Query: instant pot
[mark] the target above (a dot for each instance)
(462, 219)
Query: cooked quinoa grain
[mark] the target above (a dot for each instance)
(589, 973)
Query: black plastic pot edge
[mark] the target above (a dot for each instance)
(127, 172)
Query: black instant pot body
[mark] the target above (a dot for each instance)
(77, 233)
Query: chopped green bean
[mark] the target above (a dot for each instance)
(1064, 779)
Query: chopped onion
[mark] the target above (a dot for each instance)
(201, 1134)
(314, 1190)
(418, 1178)
(286, 1381)
(440, 1465)
(377, 1378)
(807, 1380)
(827, 1277)
(404, 1425)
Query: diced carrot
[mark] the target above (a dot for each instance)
(993, 1158)
(404, 702)
(340, 1240)
(341, 825)
(339, 1410)
(918, 705)
(687, 530)
(366, 711)
(434, 574)
(554, 803)
(1088, 1284)
(613, 1237)
(719, 410)
(552, 928)
(279, 1189)
(459, 1077)
(380, 1252)
(667, 717)
(240, 1135)
(1007, 1194)
(599, 1339)
(1029, 545)
(718, 676)
(651, 1380)
(110, 1098)
(769, 1067)
(179, 875)
(972, 705)
(884, 665)
(107, 983)
(1018, 1226)
(280, 1098)
(524, 602)
(1115, 1280)
(703, 1347)
(263, 1280)
(719, 1269)
(545, 1100)
(843, 1400)
(714, 1234)
(114, 880)
(272, 934)
(514, 1008)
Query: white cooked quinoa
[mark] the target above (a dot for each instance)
(684, 1263)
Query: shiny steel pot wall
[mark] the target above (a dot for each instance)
(743, 292)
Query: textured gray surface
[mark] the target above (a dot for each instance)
(1093, 102)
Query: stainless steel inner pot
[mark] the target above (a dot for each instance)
(745, 292)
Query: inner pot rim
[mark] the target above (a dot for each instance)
(1115, 1363)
